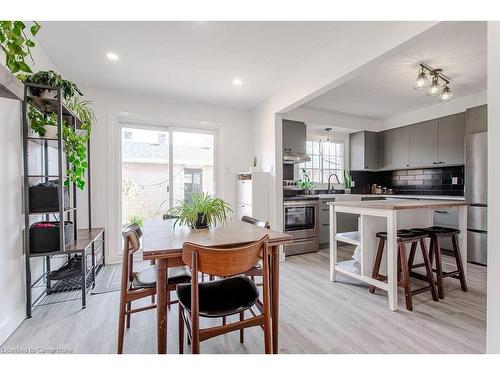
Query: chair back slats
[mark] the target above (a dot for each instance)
(259, 223)
(131, 243)
(224, 261)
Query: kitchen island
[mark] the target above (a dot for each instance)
(388, 216)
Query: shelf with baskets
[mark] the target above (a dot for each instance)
(52, 231)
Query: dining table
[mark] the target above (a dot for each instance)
(163, 243)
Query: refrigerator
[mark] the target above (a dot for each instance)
(476, 182)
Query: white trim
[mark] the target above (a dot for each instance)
(117, 121)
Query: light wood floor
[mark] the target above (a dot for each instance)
(317, 316)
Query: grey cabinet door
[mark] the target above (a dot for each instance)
(395, 148)
(451, 139)
(424, 144)
(363, 151)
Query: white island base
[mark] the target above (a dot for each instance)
(386, 216)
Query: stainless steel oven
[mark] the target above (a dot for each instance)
(301, 221)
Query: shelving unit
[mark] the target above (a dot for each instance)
(87, 243)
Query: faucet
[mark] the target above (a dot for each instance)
(329, 181)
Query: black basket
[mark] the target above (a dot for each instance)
(46, 239)
(45, 198)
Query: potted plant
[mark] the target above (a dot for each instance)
(347, 181)
(137, 219)
(305, 183)
(16, 45)
(201, 211)
(44, 126)
(82, 109)
(51, 78)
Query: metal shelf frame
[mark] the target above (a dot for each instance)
(85, 247)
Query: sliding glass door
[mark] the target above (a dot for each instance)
(162, 166)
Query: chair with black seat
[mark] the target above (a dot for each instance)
(138, 285)
(257, 269)
(436, 233)
(404, 237)
(232, 294)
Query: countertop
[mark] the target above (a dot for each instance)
(345, 197)
(403, 204)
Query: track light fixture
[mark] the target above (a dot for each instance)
(434, 89)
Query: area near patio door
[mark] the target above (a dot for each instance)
(162, 166)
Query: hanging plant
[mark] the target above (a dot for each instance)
(75, 146)
(16, 44)
(38, 120)
(51, 78)
(82, 109)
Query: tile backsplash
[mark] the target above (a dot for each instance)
(430, 181)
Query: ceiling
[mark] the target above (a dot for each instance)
(385, 88)
(196, 60)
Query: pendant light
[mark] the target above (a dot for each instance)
(434, 88)
(446, 94)
(422, 80)
(328, 130)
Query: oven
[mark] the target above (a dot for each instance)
(301, 221)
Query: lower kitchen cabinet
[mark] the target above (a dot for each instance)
(446, 217)
(345, 222)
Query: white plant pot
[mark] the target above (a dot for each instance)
(50, 131)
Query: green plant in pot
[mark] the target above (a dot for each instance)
(347, 181)
(305, 182)
(137, 219)
(51, 78)
(201, 210)
(16, 44)
(43, 125)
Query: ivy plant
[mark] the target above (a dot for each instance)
(75, 146)
(51, 78)
(16, 44)
(38, 120)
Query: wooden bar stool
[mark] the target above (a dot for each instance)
(405, 236)
(436, 233)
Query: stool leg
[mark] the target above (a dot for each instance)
(406, 276)
(428, 269)
(378, 260)
(411, 257)
(439, 268)
(458, 260)
(431, 251)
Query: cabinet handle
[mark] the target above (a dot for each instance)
(442, 212)
(326, 225)
(325, 209)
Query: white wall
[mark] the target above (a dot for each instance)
(323, 75)
(235, 142)
(493, 278)
(12, 297)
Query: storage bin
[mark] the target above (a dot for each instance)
(45, 239)
(44, 197)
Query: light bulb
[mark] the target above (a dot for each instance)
(434, 88)
(445, 95)
(422, 80)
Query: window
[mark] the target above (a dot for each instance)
(326, 158)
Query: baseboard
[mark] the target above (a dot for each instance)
(8, 326)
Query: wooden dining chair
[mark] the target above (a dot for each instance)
(232, 294)
(138, 285)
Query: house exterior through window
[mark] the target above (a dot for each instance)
(327, 157)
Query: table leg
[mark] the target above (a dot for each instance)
(462, 237)
(333, 242)
(392, 265)
(161, 307)
(275, 295)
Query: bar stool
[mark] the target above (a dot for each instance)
(436, 233)
(405, 236)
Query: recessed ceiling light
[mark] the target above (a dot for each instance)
(237, 82)
(112, 56)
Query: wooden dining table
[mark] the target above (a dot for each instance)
(163, 243)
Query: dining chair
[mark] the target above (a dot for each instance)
(233, 293)
(138, 285)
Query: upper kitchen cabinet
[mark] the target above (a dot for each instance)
(451, 139)
(424, 144)
(394, 148)
(476, 119)
(363, 151)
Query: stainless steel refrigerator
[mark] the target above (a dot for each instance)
(476, 182)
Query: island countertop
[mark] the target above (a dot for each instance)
(400, 204)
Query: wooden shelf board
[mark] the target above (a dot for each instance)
(10, 86)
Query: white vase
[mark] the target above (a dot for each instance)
(50, 131)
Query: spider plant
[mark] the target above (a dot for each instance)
(201, 210)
